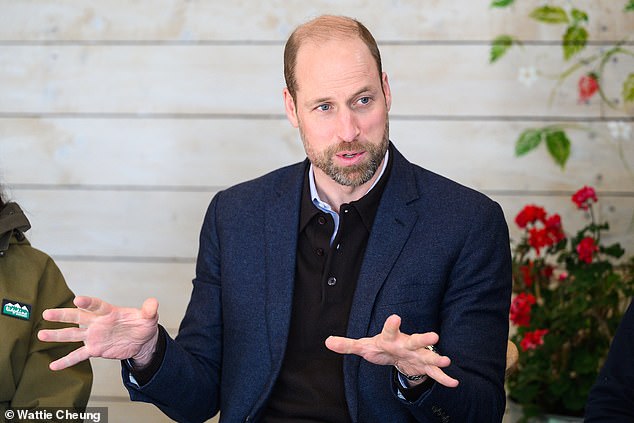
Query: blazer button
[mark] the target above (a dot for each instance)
(332, 281)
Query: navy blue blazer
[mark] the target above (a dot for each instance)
(438, 256)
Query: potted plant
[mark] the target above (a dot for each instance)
(569, 296)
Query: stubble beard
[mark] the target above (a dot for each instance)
(354, 175)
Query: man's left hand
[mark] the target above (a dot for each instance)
(391, 346)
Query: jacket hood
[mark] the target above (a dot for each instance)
(12, 222)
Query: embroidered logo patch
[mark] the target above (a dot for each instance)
(15, 309)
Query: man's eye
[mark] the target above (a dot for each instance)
(324, 107)
(364, 100)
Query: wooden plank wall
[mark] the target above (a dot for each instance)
(119, 121)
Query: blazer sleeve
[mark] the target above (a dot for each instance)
(474, 326)
(186, 386)
(611, 399)
(39, 386)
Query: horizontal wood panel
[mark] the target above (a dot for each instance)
(274, 19)
(209, 154)
(115, 223)
(129, 284)
(144, 80)
(157, 226)
(481, 155)
(176, 153)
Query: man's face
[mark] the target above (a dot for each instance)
(341, 109)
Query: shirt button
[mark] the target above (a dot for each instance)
(332, 281)
(321, 220)
(319, 251)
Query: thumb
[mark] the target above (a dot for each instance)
(391, 327)
(149, 309)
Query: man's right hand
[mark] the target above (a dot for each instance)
(106, 330)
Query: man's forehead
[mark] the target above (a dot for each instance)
(333, 55)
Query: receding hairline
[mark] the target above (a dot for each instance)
(327, 27)
(322, 29)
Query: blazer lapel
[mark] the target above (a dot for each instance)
(392, 226)
(281, 220)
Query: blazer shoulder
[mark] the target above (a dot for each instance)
(448, 193)
(262, 186)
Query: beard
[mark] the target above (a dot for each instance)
(354, 175)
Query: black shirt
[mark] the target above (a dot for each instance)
(310, 385)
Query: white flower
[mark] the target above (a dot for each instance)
(619, 130)
(527, 76)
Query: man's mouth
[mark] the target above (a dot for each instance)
(350, 155)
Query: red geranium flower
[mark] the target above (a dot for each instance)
(530, 214)
(554, 228)
(533, 339)
(586, 249)
(521, 309)
(588, 85)
(583, 197)
(537, 238)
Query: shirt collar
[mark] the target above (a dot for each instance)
(366, 205)
(322, 205)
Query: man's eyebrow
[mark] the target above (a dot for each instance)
(318, 101)
(366, 89)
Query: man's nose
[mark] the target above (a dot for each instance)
(348, 126)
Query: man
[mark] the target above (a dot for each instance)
(355, 242)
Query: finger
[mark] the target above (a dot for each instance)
(342, 345)
(391, 328)
(149, 309)
(79, 355)
(63, 315)
(93, 304)
(421, 340)
(62, 335)
(441, 377)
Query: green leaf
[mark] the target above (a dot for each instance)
(630, 6)
(614, 250)
(558, 146)
(628, 88)
(499, 46)
(503, 3)
(579, 16)
(574, 41)
(551, 15)
(528, 140)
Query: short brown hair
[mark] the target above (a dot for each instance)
(323, 28)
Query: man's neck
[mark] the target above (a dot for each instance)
(336, 194)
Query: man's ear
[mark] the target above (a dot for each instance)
(289, 106)
(387, 92)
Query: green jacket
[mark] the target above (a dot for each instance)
(30, 282)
